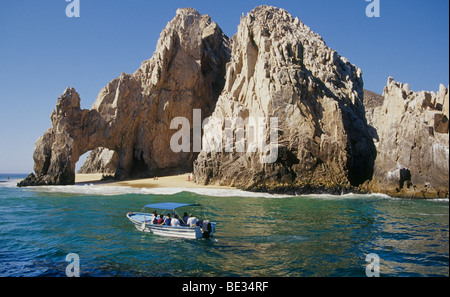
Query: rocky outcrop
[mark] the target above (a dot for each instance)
(371, 101)
(280, 68)
(100, 160)
(132, 114)
(412, 142)
(287, 114)
(54, 151)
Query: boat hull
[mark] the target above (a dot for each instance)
(180, 232)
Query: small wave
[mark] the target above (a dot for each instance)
(346, 196)
(103, 190)
(429, 214)
(439, 200)
(8, 183)
(91, 189)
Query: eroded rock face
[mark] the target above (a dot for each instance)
(412, 143)
(132, 114)
(54, 151)
(100, 160)
(280, 68)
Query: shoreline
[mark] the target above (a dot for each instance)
(172, 181)
(181, 181)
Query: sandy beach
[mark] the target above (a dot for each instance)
(175, 181)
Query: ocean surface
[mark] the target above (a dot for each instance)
(258, 235)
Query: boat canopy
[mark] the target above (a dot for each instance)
(169, 205)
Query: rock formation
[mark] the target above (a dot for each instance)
(280, 68)
(412, 142)
(132, 114)
(371, 101)
(100, 160)
(279, 92)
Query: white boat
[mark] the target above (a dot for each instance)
(143, 222)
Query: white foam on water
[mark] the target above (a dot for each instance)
(346, 196)
(104, 190)
(439, 200)
(9, 183)
(429, 214)
(91, 189)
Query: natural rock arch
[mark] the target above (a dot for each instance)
(132, 114)
(99, 160)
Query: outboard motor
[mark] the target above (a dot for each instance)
(206, 228)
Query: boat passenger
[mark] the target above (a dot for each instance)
(160, 220)
(185, 218)
(167, 220)
(175, 222)
(192, 221)
(154, 219)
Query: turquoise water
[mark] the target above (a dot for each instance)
(257, 234)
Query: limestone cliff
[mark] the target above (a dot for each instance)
(100, 160)
(132, 114)
(276, 89)
(412, 139)
(280, 68)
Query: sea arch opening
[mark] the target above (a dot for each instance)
(100, 161)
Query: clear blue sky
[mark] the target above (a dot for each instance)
(42, 51)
